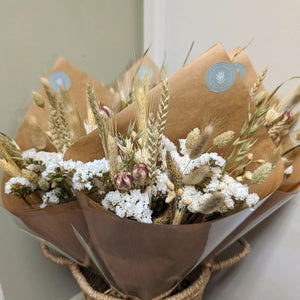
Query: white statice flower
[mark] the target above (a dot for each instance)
(183, 150)
(51, 198)
(71, 166)
(160, 183)
(196, 197)
(252, 200)
(47, 162)
(132, 204)
(84, 177)
(18, 180)
(233, 189)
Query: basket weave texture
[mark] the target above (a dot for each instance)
(94, 287)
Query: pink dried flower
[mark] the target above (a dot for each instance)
(140, 173)
(123, 181)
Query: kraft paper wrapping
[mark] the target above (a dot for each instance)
(146, 260)
(147, 65)
(289, 187)
(52, 223)
(159, 256)
(292, 181)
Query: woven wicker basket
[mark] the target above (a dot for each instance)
(95, 288)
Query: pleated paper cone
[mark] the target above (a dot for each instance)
(146, 260)
(52, 223)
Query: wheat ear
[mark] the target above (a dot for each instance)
(162, 111)
(152, 146)
(99, 121)
(258, 83)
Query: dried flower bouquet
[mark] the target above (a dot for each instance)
(170, 156)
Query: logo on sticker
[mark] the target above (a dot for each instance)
(240, 69)
(220, 77)
(58, 79)
(145, 71)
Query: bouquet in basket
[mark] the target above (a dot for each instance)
(146, 180)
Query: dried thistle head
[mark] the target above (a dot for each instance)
(261, 173)
(30, 176)
(223, 139)
(201, 143)
(43, 185)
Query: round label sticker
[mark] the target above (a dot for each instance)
(145, 71)
(58, 79)
(220, 77)
(240, 69)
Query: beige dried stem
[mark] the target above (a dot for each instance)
(142, 110)
(213, 204)
(35, 133)
(54, 124)
(7, 164)
(98, 119)
(64, 126)
(197, 175)
(201, 143)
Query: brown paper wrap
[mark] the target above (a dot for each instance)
(52, 223)
(146, 260)
(125, 81)
(287, 189)
(161, 255)
(292, 181)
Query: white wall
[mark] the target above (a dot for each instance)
(272, 270)
(172, 25)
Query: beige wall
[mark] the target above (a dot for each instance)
(99, 37)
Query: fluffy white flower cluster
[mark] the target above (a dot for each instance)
(18, 180)
(45, 162)
(132, 204)
(184, 163)
(87, 175)
(228, 186)
(52, 197)
(160, 183)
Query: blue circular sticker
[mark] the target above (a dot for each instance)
(240, 69)
(58, 79)
(220, 77)
(145, 71)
